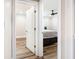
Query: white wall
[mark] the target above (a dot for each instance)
(20, 17)
(67, 29)
(21, 8)
(20, 25)
(50, 5)
(7, 31)
(51, 22)
(48, 20)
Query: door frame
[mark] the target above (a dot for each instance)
(39, 33)
(13, 31)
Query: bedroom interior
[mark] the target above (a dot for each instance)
(50, 25)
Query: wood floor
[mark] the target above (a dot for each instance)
(23, 53)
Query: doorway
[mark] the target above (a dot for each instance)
(25, 28)
(26, 45)
(50, 28)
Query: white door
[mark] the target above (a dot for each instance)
(30, 33)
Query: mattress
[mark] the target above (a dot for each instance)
(49, 34)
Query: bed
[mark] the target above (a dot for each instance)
(49, 37)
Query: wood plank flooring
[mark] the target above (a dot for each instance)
(23, 53)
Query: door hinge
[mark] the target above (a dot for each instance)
(34, 11)
(34, 28)
(34, 46)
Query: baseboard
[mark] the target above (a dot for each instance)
(20, 37)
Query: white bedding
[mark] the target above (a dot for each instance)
(49, 33)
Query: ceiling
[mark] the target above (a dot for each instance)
(21, 7)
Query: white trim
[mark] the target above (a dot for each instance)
(13, 42)
(40, 35)
(21, 36)
(59, 31)
(13, 32)
(67, 29)
(37, 29)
